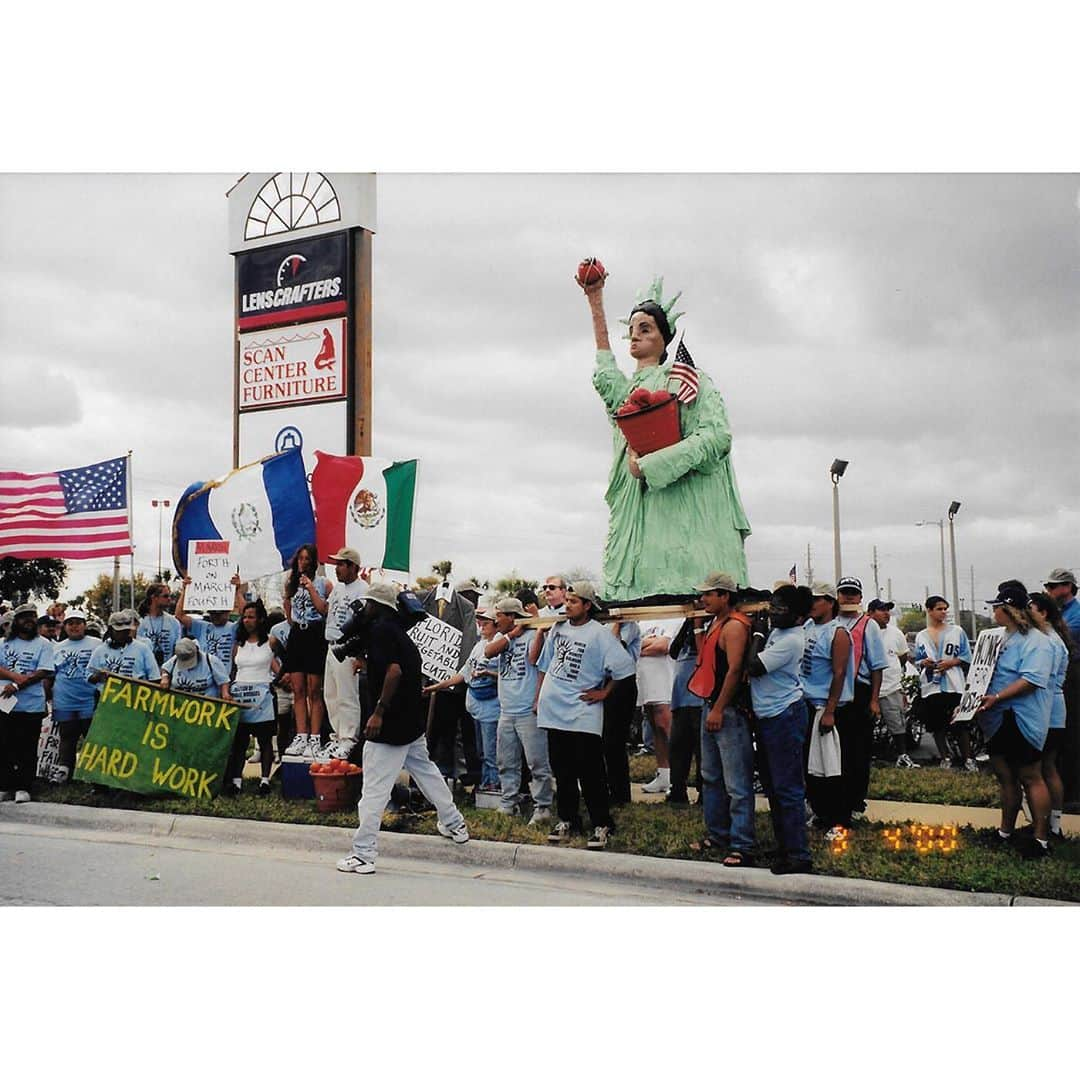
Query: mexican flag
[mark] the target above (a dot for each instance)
(367, 504)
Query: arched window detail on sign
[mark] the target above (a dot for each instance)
(290, 201)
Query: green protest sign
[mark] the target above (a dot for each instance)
(156, 741)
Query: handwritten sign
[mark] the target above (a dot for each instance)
(211, 571)
(440, 645)
(158, 742)
(983, 661)
(48, 766)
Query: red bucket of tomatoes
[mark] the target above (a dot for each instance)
(337, 785)
(649, 420)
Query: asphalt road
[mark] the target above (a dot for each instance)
(46, 866)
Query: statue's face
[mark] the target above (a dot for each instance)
(646, 341)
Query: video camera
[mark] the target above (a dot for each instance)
(355, 629)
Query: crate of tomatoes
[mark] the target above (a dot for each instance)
(649, 420)
(337, 784)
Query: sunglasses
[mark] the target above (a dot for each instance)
(549, 588)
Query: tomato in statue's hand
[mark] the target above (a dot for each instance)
(640, 397)
(658, 397)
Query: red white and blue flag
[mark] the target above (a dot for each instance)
(793, 577)
(71, 514)
(684, 374)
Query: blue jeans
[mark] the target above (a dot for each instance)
(486, 732)
(518, 735)
(780, 742)
(727, 776)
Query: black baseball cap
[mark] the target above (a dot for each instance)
(851, 584)
(880, 605)
(1012, 593)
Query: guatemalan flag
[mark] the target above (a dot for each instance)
(263, 510)
(366, 504)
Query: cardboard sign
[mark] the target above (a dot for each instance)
(440, 645)
(983, 662)
(48, 765)
(211, 571)
(158, 742)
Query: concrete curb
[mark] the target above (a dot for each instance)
(643, 870)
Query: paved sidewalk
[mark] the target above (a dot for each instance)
(140, 826)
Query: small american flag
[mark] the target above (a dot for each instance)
(71, 514)
(685, 375)
(793, 577)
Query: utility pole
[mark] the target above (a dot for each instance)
(888, 586)
(877, 586)
(974, 624)
(809, 568)
(116, 583)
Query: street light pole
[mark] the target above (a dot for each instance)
(940, 523)
(836, 470)
(160, 505)
(954, 506)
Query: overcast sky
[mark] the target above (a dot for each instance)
(923, 327)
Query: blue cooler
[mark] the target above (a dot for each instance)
(296, 781)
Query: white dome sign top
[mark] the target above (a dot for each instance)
(266, 208)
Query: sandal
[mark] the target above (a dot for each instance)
(706, 846)
(738, 858)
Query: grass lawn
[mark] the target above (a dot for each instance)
(927, 785)
(668, 832)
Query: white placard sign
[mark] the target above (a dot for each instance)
(210, 569)
(440, 645)
(983, 661)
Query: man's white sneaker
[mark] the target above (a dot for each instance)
(904, 762)
(22, 796)
(459, 834)
(329, 751)
(837, 832)
(970, 766)
(541, 816)
(560, 834)
(945, 763)
(297, 747)
(312, 747)
(355, 865)
(660, 784)
(598, 840)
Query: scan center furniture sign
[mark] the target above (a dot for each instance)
(293, 365)
(158, 742)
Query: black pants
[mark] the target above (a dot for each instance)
(70, 733)
(619, 709)
(684, 747)
(19, 734)
(578, 757)
(1069, 755)
(856, 730)
(449, 719)
(264, 733)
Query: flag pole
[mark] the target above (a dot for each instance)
(131, 527)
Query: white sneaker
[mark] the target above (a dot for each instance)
(904, 762)
(329, 751)
(970, 766)
(560, 834)
(837, 832)
(22, 796)
(355, 865)
(945, 763)
(541, 816)
(312, 747)
(297, 747)
(460, 834)
(659, 784)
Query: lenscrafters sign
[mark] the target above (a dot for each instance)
(302, 243)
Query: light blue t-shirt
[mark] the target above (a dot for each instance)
(1057, 680)
(517, 677)
(160, 632)
(781, 685)
(134, 661)
(575, 659)
(26, 657)
(630, 636)
(1071, 614)
(817, 664)
(1030, 657)
(482, 673)
(681, 698)
(875, 656)
(73, 696)
(304, 611)
(280, 633)
(204, 678)
(215, 640)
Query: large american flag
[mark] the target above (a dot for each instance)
(70, 514)
(685, 375)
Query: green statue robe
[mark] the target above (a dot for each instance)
(685, 519)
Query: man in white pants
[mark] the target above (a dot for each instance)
(394, 734)
(340, 687)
